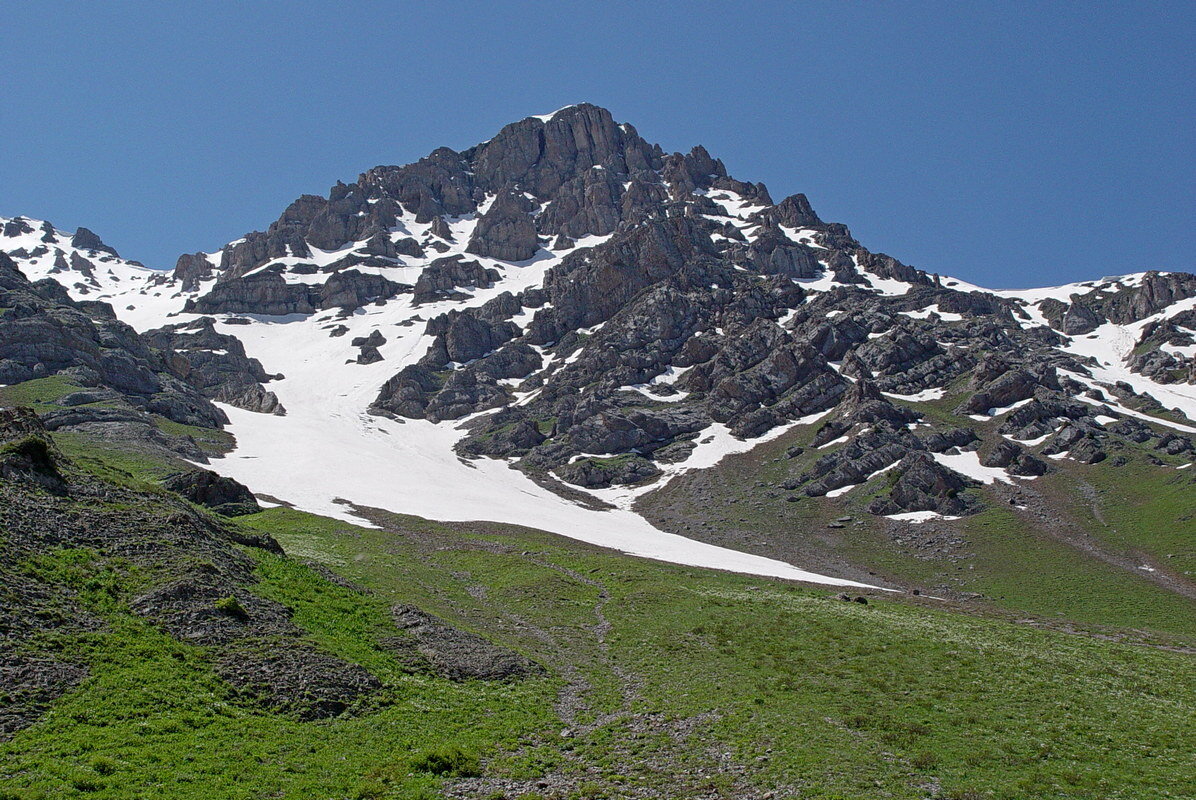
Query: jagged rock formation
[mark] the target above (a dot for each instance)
(923, 484)
(216, 364)
(600, 310)
(505, 231)
(43, 332)
(204, 487)
(267, 292)
(443, 275)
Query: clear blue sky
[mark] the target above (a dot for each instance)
(1012, 144)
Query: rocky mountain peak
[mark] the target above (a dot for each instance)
(602, 315)
(541, 154)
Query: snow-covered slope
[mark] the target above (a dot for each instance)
(90, 270)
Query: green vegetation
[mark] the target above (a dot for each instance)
(153, 720)
(610, 463)
(232, 606)
(843, 700)
(212, 441)
(1144, 509)
(688, 681)
(39, 393)
(118, 463)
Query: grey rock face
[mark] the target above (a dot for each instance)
(541, 156)
(1079, 319)
(350, 289)
(595, 473)
(505, 231)
(45, 333)
(772, 253)
(191, 268)
(514, 435)
(16, 227)
(463, 336)
(1008, 388)
(441, 228)
(369, 355)
(408, 392)
(1016, 460)
(443, 275)
(925, 485)
(260, 293)
(793, 212)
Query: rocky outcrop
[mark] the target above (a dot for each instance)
(265, 293)
(1006, 388)
(43, 332)
(1043, 414)
(866, 455)
(464, 336)
(440, 278)
(600, 473)
(216, 364)
(1013, 458)
(922, 484)
(191, 268)
(511, 434)
(223, 495)
(863, 404)
(87, 240)
(762, 377)
(794, 211)
(1074, 318)
(772, 253)
(1113, 302)
(369, 353)
(542, 155)
(588, 287)
(350, 289)
(505, 231)
(407, 394)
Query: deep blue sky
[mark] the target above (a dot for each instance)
(1013, 145)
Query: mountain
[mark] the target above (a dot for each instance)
(329, 511)
(548, 327)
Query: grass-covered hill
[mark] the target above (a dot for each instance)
(153, 649)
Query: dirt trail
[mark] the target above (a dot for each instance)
(575, 707)
(572, 703)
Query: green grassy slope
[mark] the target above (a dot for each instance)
(665, 680)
